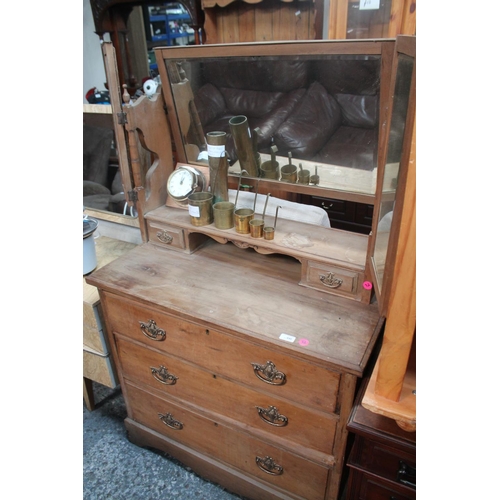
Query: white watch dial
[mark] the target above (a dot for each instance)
(180, 183)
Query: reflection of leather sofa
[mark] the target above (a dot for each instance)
(325, 111)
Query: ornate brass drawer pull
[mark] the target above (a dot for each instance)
(272, 416)
(268, 465)
(161, 374)
(164, 237)
(269, 374)
(152, 331)
(330, 281)
(170, 421)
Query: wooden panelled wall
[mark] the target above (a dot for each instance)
(230, 21)
(396, 17)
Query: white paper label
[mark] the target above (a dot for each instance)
(215, 151)
(287, 338)
(194, 211)
(369, 4)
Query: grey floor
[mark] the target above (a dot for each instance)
(115, 469)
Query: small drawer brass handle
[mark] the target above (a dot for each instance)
(272, 416)
(269, 466)
(161, 374)
(152, 331)
(269, 374)
(164, 237)
(170, 421)
(330, 281)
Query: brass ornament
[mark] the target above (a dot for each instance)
(152, 331)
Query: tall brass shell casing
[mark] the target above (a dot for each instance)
(218, 165)
(243, 141)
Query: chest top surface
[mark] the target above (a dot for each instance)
(247, 294)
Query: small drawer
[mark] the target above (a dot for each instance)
(372, 488)
(271, 464)
(166, 236)
(227, 355)
(271, 414)
(385, 461)
(331, 279)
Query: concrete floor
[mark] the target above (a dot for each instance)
(115, 469)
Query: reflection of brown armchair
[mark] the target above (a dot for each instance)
(99, 190)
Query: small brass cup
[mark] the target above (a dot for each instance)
(256, 228)
(270, 170)
(242, 218)
(224, 215)
(304, 176)
(268, 233)
(289, 173)
(200, 208)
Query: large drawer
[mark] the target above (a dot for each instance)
(283, 469)
(225, 355)
(248, 407)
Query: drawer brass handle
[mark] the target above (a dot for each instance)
(323, 205)
(269, 374)
(330, 281)
(272, 416)
(170, 421)
(152, 331)
(269, 466)
(164, 237)
(161, 374)
(407, 475)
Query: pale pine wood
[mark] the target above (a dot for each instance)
(96, 362)
(390, 390)
(403, 18)
(98, 368)
(337, 19)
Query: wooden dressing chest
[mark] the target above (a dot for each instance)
(238, 355)
(238, 372)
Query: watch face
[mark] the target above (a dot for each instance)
(180, 183)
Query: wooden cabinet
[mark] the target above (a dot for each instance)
(240, 356)
(240, 370)
(382, 462)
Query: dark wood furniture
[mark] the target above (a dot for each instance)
(344, 214)
(382, 462)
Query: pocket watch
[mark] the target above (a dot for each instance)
(183, 181)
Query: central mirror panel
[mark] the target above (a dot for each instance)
(305, 114)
